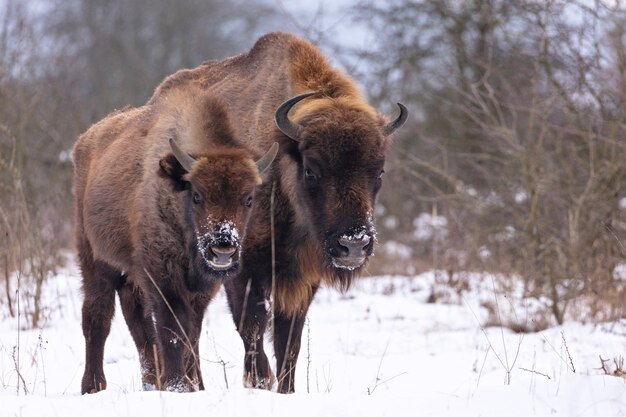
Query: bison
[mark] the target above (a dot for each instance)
(312, 220)
(162, 196)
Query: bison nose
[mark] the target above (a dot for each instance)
(354, 246)
(349, 251)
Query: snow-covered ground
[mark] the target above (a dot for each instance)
(380, 350)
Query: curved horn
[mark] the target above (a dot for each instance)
(285, 125)
(266, 160)
(183, 157)
(391, 127)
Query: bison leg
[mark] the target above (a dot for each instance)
(193, 356)
(173, 333)
(247, 304)
(192, 364)
(141, 328)
(99, 283)
(287, 336)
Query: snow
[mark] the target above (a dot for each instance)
(383, 349)
(619, 273)
(398, 250)
(521, 197)
(358, 234)
(428, 226)
(391, 222)
(226, 233)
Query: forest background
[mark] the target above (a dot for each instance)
(513, 161)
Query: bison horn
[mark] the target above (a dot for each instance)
(181, 156)
(391, 127)
(285, 125)
(265, 161)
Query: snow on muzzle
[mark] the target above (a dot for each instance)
(220, 246)
(349, 250)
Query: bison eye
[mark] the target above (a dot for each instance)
(380, 176)
(196, 198)
(310, 175)
(248, 201)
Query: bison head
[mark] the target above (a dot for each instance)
(218, 190)
(339, 146)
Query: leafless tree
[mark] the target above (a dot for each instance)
(518, 140)
(63, 66)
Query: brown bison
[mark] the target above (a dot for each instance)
(312, 220)
(162, 195)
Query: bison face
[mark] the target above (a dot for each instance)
(218, 242)
(340, 151)
(338, 189)
(218, 195)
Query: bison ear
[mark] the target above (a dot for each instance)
(171, 169)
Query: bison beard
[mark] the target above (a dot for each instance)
(320, 195)
(159, 225)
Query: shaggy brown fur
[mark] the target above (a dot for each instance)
(325, 187)
(152, 230)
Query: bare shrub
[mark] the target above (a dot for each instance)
(63, 65)
(614, 369)
(30, 241)
(517, 140)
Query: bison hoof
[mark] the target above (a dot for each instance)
(92, 384)
(285, 389)
(178, 385)
(258, 382)
(148, 381)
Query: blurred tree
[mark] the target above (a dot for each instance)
(114, 52)
(517, 139)
(63, 66)
(516, 133)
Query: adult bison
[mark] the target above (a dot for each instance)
(312, 221)
(162, 195)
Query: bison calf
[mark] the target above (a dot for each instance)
(162, 195)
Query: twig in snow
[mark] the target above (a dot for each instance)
(245, 303)
(380, 364)
(16, 355)
(285, 371)
(505, 364)
(224, 370)
(545, 339)
(43, 365)
(619, 367)
(378, 381)
(507, 368)
(482, 367)
(603, 365)
(16, 349)
(567, 351)
(532, 371)
(308, 353)
(7, 285)
(157, 367)
(220, 361)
